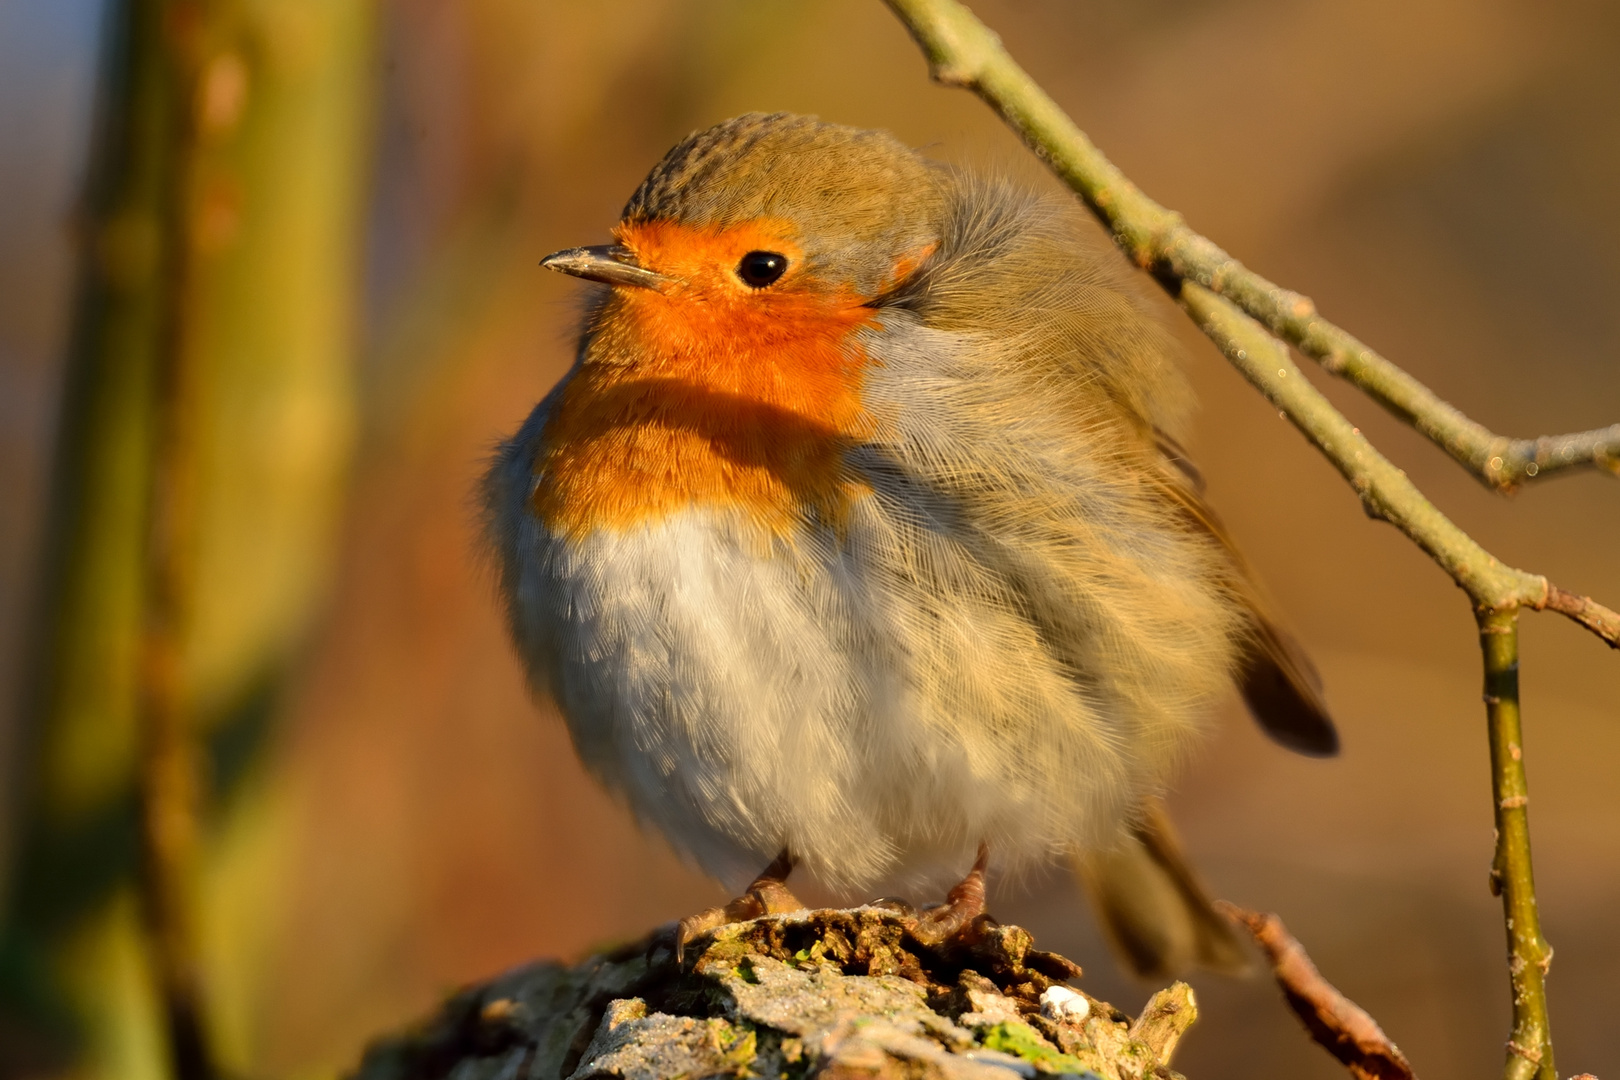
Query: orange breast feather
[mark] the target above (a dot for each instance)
(708, 394)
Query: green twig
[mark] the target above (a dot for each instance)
(169, 780)
(1530, 1052)
(963, 52)
(1386, 492)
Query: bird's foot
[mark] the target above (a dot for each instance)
(963, 904)
(768, 894)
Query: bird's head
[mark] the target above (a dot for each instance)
(763, 224)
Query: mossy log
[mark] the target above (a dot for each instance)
(835, 993)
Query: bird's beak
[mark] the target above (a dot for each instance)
(612, 263)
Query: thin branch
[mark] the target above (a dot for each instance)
(1530, 1052)
(1339, 1025)
(1586, 611)
(963, 52)
(1386, 492)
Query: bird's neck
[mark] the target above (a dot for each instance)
(685, 402)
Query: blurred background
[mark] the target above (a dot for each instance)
(365, 189)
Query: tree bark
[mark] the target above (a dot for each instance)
(826, 993)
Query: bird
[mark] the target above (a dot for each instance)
(859, 539)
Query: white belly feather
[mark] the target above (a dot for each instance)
(1012, 652)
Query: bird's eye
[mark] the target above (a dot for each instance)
(759, 268)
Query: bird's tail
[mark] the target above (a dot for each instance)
(1153, 906)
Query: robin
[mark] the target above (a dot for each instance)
(859, 539)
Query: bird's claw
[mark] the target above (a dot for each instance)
(963, 904)
(767, 895)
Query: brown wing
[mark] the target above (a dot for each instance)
(1278, 681)
(1154, 908)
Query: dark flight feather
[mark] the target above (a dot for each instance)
(1278, 682)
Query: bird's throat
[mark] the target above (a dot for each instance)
(708, 401)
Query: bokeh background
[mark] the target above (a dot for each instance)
(389, 814)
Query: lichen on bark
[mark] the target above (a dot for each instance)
(833, 993)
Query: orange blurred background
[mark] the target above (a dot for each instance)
(1440, 176)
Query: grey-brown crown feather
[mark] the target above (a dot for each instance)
(684, 176)
(830, 176)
